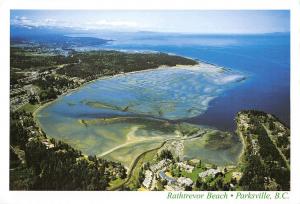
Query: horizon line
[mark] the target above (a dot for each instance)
(83, 30)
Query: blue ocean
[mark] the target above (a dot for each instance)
(235, 72)
(263, 59)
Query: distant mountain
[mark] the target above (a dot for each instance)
(51, 36)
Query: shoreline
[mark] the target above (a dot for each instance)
(69, 91)
(161, 67)
(41, 107)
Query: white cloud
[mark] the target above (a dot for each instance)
(23, 20)
(116, 23)
(27, 22)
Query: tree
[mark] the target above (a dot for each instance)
(199, 182)
(188, 188)
(123, 173)
(18, 134)
(165, 154)
(32, 99)
(199, 165)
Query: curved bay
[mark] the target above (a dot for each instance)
(125, 115)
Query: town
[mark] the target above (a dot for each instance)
(169, 174)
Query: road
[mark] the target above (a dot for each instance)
(195, 135)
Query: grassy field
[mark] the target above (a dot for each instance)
(193, 175)
(29, 107)
(148, 157)
(115, 183)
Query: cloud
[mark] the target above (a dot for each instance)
(23, 20)
(116, 23)
(27, 22)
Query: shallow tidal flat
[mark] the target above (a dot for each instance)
(123, 116)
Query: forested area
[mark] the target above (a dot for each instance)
(40, 163)
(95, 63)
(26, 59)
(263, 166)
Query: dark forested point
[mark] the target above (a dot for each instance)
(266, 159)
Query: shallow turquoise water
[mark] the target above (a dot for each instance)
(169, 93)
(126, 108)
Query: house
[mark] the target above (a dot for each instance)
(186, 167)
(48, 144)
(159, 165)
(173, 188)
(183, 181)
(209, 172)
(236, 175)
(148, 179)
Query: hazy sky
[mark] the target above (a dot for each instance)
(257, 21)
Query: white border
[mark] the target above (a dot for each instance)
(7, 197)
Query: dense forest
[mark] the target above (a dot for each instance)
(83, 64)
(113, 62)
(39, 163)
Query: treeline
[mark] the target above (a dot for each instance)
(53, 165)
(111, 62)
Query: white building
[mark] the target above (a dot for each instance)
(148, 179)
(159, 165)
(183, 181)
(186, 167)
(209, 172)
(173, 188)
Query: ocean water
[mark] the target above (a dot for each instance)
(111, 115)
(264, 59)
(143, 108)
(167, 93)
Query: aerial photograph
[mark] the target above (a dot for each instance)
(149, 100)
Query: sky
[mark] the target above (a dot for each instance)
(195, 21)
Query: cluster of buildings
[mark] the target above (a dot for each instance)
(209, 172)
(21, 92)
(20, 96)
(157, 173)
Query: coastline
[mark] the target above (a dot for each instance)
(69, 91)
(199, 63)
